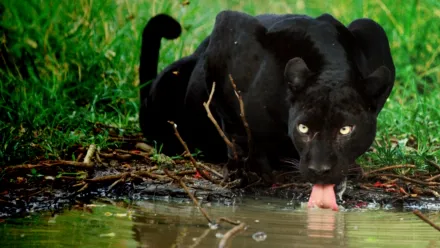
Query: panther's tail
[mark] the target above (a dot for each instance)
(158, 27)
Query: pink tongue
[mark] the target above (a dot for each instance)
(323, 196)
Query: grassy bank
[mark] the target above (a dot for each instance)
(85, 56)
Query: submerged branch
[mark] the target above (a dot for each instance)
(423, 217)
(230, 234)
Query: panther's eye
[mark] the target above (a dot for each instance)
(346, 130)
(302, 128)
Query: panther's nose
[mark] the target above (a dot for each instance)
(319, 170)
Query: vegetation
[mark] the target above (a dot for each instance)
(86, 52)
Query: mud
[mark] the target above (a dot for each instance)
(138, 173)
(58, 195)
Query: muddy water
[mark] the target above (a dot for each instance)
(179, 224)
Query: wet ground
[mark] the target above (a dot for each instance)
(269, 222)
(135, 198)
(49, 192)
(58, 196)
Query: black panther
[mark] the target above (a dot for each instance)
(312, 90)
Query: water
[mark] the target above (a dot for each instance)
(275, 223)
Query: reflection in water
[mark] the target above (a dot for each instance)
(161, 224)
(321, 223)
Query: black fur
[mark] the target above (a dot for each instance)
(291, 70)
(162, 99)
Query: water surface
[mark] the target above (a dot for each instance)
(173, 224)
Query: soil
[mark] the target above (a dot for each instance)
(48, 193)
(136, 174)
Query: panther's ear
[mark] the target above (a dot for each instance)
(296, 74)
(377, 87)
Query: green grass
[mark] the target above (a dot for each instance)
(86, 55)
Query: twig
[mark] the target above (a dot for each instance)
(212, 170)
(115, 183)
(433, 192)
(217, 126)
(140, 154)
(116, 155)
(368, 173)
(433, 178)
(196, 203)
(200, 238)
(224, 219)
(90, 153)
(150, 175)
(79, 184)
(171, 175)
(98, 158)
(108, 178)
(83, 188)
(79, 157)
(409, 179)
(47, 164)
(193, 161)
(253, 184)
(432, 163)
(422, 217)
(242, 115)
(186, 172)
(229, 235)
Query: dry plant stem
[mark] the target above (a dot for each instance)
(115, 183)
(433, 178)
(116, 155)
(90, 153)
(242, 114)
(410, 179)
(193, 161)
(253, 184)
(79, 157)
(140, 154)
(368, 173)
(186, 172)
(98, 158)
(433, 192)
(47, 164)
(150, 175)
(200, 238)
(423, 217)
(171, 175)
(230, 234)
(211, 170)
(79, 184)
(83, 188)
(196, 203)
(217, 126)
(432, 163)
(138, 177)
(108, 178)
(224, 219)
